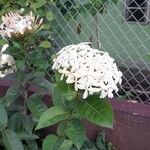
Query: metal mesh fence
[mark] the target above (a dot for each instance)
(120, 27)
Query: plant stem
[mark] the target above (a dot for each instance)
(25, 94)
(25, 85)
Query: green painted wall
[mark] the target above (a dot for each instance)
(129, 43)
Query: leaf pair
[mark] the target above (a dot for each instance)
(75, 133)
(52, 142)
(93, 109)
(11, 140)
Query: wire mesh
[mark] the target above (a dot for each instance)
(120, 27)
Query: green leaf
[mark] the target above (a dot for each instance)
(89, 145)
(96, 110)
(26, 136)
(11, 140)
(27, 123)
(2, 42)
(12, 93)
(47, 85)
(76, 133)
(51, 116)
(45, 44)
(100, 141)
(52, 142)
(61, 129)
(20, 64)
(66, 145)
(15, 52)
(16, 45)
(49, 142)
(57, 97)
(32, 144)
(39, 4)
(21, 3)
(49, 16)
(3, 117)
(36, 105)
(67, 90)
(15, 122)
(26, 147)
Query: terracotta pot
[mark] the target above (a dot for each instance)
(131, 126)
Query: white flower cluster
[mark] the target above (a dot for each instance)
(16, 25)
(8, 61)
(89, 69)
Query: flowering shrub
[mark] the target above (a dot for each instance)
(82, 74)
(84, 77)
(22, 59)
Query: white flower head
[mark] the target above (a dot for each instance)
(89, 69)
(6, 60)
(16, 25)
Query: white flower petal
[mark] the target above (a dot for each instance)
(103, 94)
(5, 46)
(85, 94)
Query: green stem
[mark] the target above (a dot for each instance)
(25, 70)
(25, 94)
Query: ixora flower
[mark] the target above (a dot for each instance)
(16, 25)
(90, 70)
(7, 63)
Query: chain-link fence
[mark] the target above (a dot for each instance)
(120, 27)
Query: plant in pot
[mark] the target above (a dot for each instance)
(83, 78)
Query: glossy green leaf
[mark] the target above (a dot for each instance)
(2, 42)
(57, 97)
(66, 145)
(76, 133)
(27, 136)
(49, 142)
(12, 93)
(20, 64)
(52, 142)
(89, 145)
(51, 116)
(36, 105)
(100, 141)
(3, 117)
(67, 90)
(32, 144)
(96, 110)
(45, 44)
(26, 147)
(11, 140)
(28, 123)
(47, 85)
(61, 129)
(39, 4)
(16, 45)
(15, 122)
